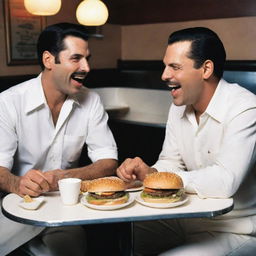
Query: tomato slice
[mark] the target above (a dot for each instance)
(149, 190)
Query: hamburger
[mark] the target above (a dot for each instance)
(107, 191)
(84, 185)
(162, 187)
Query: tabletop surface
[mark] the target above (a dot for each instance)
(53, 213)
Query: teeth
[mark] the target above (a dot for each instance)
(174, 87)
(80, 77)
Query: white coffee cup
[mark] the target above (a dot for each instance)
(69, 190)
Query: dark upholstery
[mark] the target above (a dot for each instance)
(246, 79)
(147, 75)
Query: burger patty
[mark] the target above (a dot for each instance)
(113, 196)
(161, 192)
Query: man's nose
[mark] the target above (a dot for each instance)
(167, 74)
(84, 65)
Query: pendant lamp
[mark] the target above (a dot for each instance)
(42, 7)
(92, 13)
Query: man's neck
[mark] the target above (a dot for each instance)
(207, 94)
(54, 98)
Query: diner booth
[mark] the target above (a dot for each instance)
(137, 103)
(126, 63)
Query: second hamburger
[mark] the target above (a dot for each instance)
(162, 187)
(107, 191)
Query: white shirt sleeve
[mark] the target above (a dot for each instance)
(8, 136)
(170, 159)
(100, 141)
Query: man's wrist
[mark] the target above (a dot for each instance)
(151, 170)
(11, 182)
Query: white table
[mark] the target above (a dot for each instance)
(53, 213)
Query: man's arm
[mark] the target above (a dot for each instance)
(100, 168)
(33, 183)
(8, 181)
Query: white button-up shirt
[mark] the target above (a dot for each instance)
(215, 158)
(29, 139)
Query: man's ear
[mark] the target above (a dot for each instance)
(48, 59)
(208, 68)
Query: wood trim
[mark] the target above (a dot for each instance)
(130, 12)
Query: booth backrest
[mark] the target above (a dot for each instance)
(246, 79)
(147, 75)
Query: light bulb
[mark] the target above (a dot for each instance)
(92, 13)
(42, 7)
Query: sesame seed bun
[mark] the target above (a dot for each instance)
(163, 180)
(106, 184)
(84, 185)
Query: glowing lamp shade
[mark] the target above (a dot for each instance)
(92, 13)
(42, 7)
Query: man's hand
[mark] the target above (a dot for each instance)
(53, 176)
(33, 183)
(133, 169)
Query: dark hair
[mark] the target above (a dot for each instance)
(205, 45)
(52, 39)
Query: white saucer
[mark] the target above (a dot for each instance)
(107, 207)
(37, 201)
(183, 200)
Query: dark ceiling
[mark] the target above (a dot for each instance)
(128, 12)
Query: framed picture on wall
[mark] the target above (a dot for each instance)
(22, 31)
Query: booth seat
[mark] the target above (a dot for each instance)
(136, 105)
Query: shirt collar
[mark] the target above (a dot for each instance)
(35, 97)
(216, 106)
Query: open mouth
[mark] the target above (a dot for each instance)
(79, 76)
(173, 86)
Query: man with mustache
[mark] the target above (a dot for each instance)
(44, 124)
(210, 142)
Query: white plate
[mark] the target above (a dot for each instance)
(163, 205)
(135, 186)
(107, 207)
(37, 201)
(134, 189)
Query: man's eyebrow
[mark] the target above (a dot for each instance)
(173, 64)
(79, 56)
(76, 55)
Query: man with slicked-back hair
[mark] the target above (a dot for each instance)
(210, 143)
(44, 124)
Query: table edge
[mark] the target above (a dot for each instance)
(209, 214)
